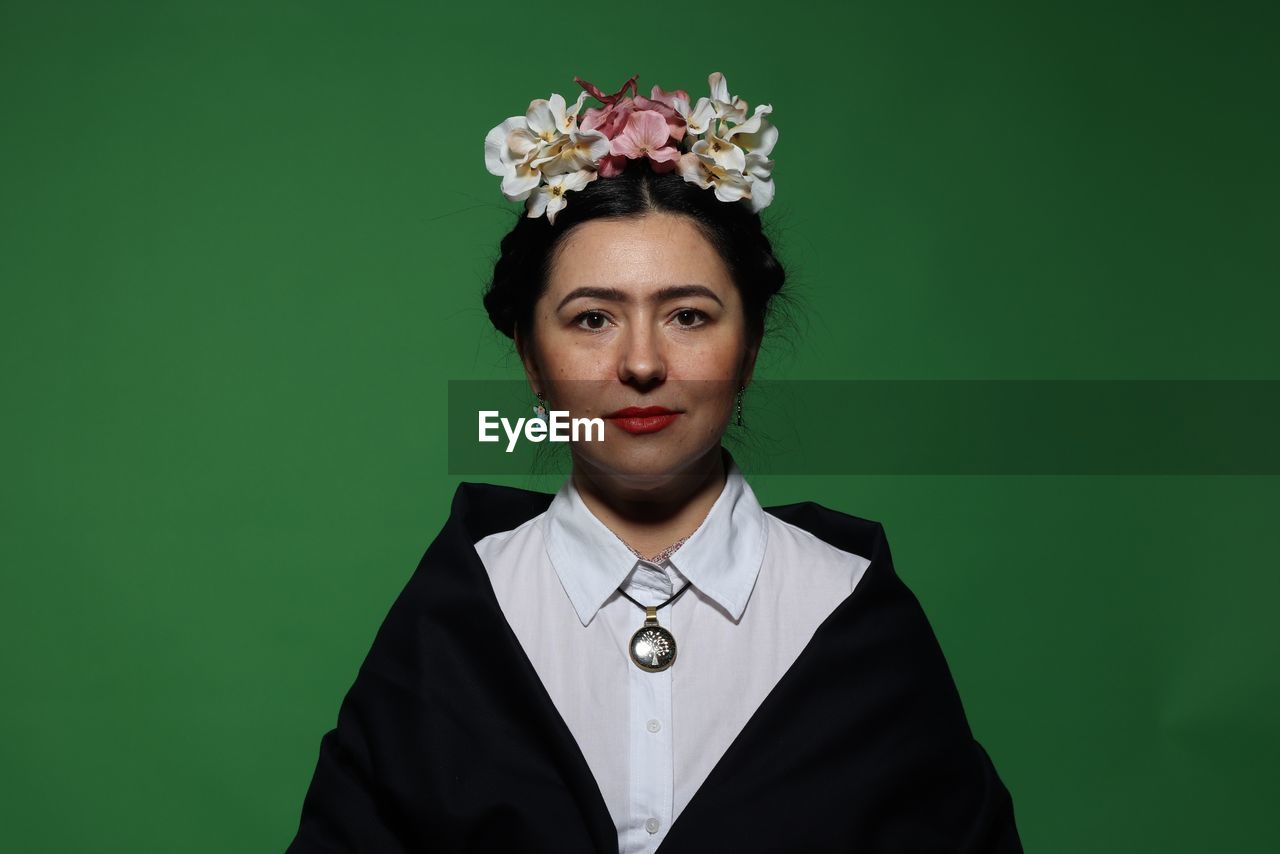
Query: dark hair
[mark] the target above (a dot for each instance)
(529, 249)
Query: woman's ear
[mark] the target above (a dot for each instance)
(531, 372)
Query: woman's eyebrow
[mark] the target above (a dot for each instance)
(661, 295)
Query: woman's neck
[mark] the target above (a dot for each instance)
(650, 520)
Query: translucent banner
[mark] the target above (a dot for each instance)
(923, 427)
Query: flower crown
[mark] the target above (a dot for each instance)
(547, 152)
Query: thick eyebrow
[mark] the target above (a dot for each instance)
(670, 292)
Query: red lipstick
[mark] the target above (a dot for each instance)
(642, 419)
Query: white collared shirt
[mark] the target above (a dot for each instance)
(760, 588)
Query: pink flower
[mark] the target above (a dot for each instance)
(646, 134)
(609, 121)
(675, 124)
(669, 98)
(615, 116)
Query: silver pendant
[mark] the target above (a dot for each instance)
(653, 648)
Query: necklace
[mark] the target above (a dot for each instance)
(662, 555)
(653, 648)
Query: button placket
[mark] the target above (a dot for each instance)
(652, 761)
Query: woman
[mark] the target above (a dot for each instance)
(648, 659)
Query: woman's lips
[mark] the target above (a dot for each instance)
(643, 419)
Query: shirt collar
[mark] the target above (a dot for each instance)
(722, 558)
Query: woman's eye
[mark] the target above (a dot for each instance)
(690, 317)
(591, 317)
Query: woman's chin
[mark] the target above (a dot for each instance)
(648, 467)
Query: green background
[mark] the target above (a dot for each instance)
(242, 247)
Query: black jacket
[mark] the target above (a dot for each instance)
(448, 741)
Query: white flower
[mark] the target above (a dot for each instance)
(721, 152)
(571, 152)
(507, 152)
(730, 184)
(545, 140)
(700, 118)
(732, 109)
(549, 199)
(736, 163)
(566, 119)
(761, 189)
(757, 137)
(755, 134)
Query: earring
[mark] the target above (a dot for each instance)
(540, 411)
(741, 389)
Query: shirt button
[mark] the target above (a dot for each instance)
(653, 725)
(651, 825)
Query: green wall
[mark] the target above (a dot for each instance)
(241, 253)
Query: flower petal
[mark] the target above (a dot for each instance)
(752, 125)
(723, 153)
(597, 143)
(570, 122)
(675, 123)
(496, 156)
(542, 118)
(731, 108)
(719, 87)
(761, 194)
(761, 143)
(521, 141)
(554, 204)
(735, 110)
(611, 165)
(668, 153)
(647, 128)
(693, 170)
(578, 180)
(518, 184)
(552, 148)
(537, 203)
(758, 166)
(699, 121)
(574, 151)
(732, 187)
(625, 146)
(601, 96)
(610, 121)
(675, 100)
(557, 110)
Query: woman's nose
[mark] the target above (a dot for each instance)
(642, 359)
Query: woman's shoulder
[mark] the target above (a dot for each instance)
(818, 528)
(499, 519)
(825, 542)
(483, 509)
(522, 540)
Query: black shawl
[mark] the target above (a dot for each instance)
(448, 741)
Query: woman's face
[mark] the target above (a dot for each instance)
(641, 312)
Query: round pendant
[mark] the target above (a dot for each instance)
(653, 648)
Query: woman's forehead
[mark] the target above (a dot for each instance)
(640, 254)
